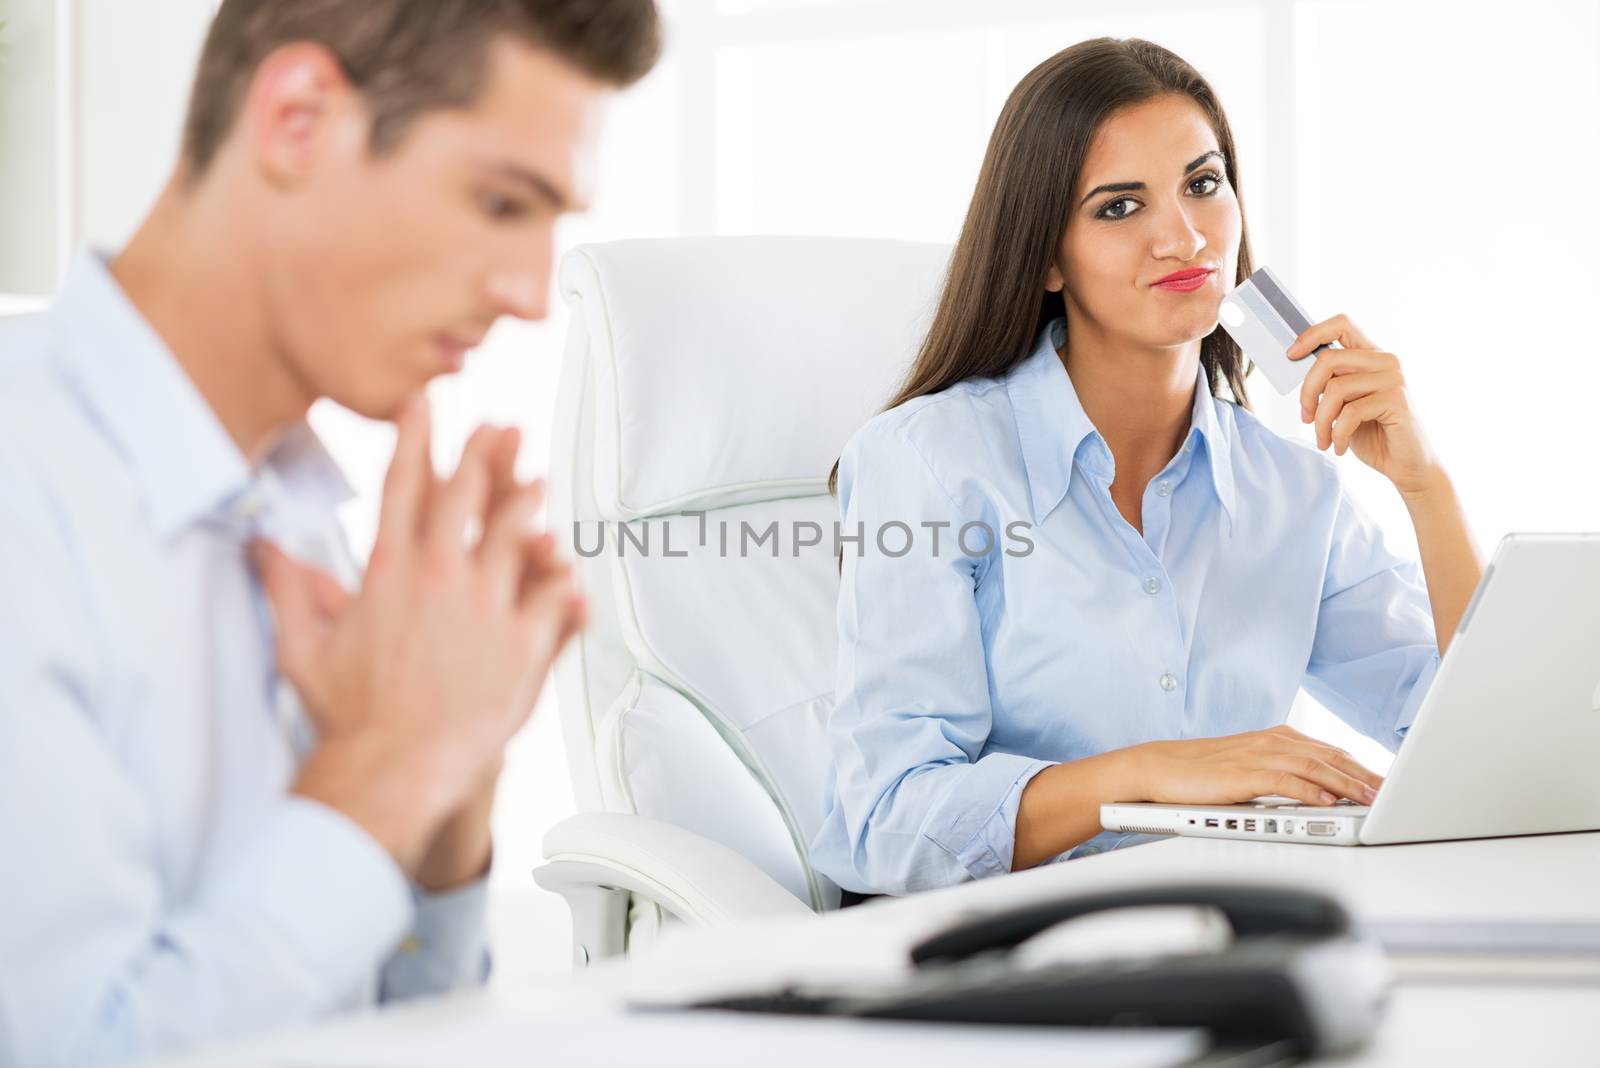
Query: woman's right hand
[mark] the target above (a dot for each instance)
(1240, 767)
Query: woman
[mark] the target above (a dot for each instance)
(1172, 571)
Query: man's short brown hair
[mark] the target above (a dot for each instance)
(408, 56)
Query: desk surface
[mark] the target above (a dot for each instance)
(1518, 1019)
(1554, 877)
(1463, 1027)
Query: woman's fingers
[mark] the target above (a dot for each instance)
(1344, 391)
(1303, 746)
(1340, 328)
(1352, 767)
(1337, 364)
(1326, 776)
(1366, 409)
(1287, 784)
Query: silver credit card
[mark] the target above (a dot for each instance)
(1264, 319)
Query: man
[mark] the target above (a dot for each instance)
(237, 792)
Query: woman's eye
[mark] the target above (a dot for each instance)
(1107, 212)
(1117, 209)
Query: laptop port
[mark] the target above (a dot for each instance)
(1211, 823)
(1249, 825)
(1272, 827)
(1321, 828)
(1233, 825)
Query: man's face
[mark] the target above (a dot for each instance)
(1117, 243)
(388, 268)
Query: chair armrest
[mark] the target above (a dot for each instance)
(695, 879)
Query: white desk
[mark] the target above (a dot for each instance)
(1546, 877)
(1526, 1019)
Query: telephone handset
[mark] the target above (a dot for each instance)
(1293, 973)
(1250, 910)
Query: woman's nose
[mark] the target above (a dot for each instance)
(1179, 238)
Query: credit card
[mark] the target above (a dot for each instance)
(1264, 319)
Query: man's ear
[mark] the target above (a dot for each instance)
(301, 110)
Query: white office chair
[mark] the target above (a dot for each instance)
(719, 376)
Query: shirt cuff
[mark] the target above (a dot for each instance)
(1419, 690)
(981, 829)
(334, 899)
(447, 946)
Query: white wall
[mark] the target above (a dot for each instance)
(34, 206)
(1422, 170)
(91, 98)
(133, 62)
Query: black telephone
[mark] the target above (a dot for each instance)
(1295, 974)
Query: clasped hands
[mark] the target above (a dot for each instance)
(416, 683)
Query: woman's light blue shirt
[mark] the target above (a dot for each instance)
(962, 674)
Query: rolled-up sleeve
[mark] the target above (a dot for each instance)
(1375, 652)
(920, 802)
(100, 958)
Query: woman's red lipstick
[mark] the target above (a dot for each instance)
(1185, 281)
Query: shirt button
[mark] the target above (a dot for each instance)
(1169, 682)
(1152, 585)
(1089, 851)
(1163, 489)
(1188, 446)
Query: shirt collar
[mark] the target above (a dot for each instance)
(184, 461)
(1053, 427)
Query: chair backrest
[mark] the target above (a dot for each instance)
(707, 388)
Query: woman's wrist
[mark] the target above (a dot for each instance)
(1126, 775)
(1433, 484)
(1060, 806)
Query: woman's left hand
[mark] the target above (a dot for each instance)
(1356, 395)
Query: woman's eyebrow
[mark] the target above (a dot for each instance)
(1131, 187)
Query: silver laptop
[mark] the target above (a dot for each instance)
(1506, 741)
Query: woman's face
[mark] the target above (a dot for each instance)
(1170, 209)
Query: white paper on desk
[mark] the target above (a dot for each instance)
(737, 1040)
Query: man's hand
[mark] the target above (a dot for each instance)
(460, 851)
(416, 684)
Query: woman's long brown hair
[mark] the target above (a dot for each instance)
(994, 302)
